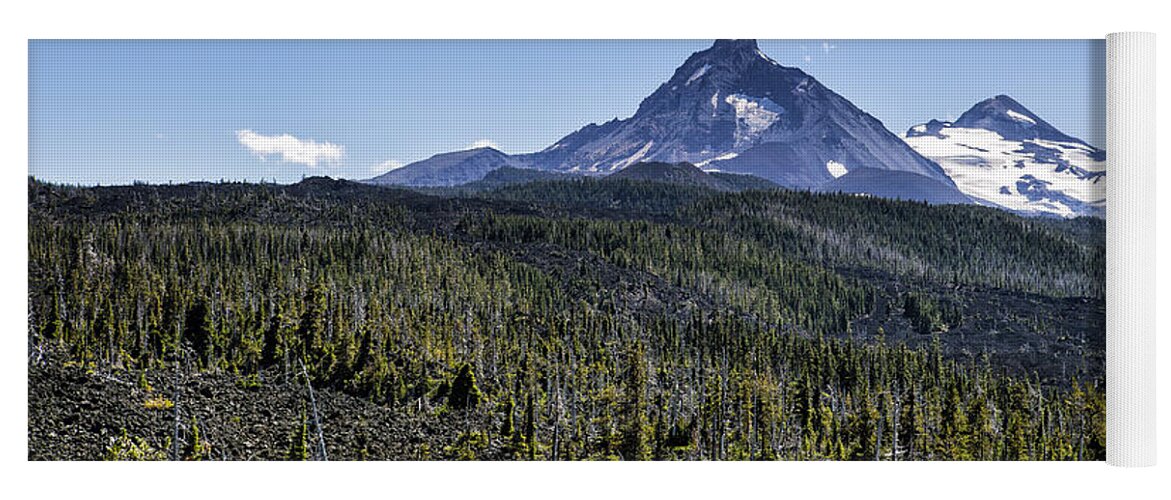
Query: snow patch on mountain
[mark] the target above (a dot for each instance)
(1020, 117)
(698, 74)
(753, 115)
(632, 159)
(836, 169)
(725, 156)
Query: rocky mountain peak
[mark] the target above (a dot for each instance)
(1012, 120)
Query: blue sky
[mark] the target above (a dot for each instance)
(112, 112)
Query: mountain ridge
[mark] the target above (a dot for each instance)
(684, 173)
(733, 109)
(447, 169)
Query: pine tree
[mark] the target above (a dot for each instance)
(299, 440)
(464, 393)
(635, 446)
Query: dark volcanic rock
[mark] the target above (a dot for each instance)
(76, 415)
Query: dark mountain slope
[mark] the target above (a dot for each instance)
(688, 174)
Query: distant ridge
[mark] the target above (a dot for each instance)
(687, 174)
(448, 169)
(508, 176)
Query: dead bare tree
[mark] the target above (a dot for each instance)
(175, 400)
(316, 419)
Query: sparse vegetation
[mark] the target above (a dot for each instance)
(126, 448)
(158, 402)
(586, 320)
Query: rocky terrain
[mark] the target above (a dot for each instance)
(79, 414)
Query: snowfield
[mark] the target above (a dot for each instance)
(753, 116)
(1035, 176)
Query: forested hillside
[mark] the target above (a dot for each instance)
(557, 319)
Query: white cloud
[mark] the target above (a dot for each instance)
(826, 47)
(484, 143)
(291, 149)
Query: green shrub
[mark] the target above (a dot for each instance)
(125, 448)
(197, 447)
(158, 403)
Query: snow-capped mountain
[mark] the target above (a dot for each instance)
(1001, 154)
(732, 108)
